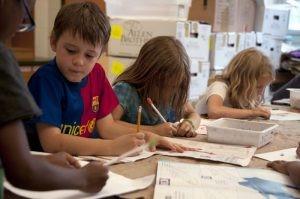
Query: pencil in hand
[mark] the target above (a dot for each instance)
(156, 110)
(138, 122)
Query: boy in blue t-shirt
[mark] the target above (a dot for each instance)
(74, 93)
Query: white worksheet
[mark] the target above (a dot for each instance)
(176, 180)
(282, 115)
(285, 154)
(115, 185)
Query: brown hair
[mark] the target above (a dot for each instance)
(85, 19)
(242, 74)
(161, 72)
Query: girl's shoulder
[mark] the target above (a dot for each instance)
(218, 84)
(124, 87)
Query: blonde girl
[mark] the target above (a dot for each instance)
(162, 73)
(238, 91)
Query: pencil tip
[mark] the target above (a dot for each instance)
(149, 100)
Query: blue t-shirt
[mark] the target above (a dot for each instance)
(129, 99)
(72, 107)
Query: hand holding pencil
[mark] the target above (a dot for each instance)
(183, 129)
(132, 152)
(166, 128)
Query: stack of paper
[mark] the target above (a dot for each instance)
(180, 180)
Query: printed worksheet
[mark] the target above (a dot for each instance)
(176, 180)
(115, 185)
(232, 154)
(282, 115)
(285, 154)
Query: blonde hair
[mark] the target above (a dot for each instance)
(242, 74)
(161, 72)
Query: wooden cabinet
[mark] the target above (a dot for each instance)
(100, 3)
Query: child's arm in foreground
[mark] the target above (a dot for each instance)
(53, 140)
(216, 110)
(19, 166)
(292, 169)
(289, 168)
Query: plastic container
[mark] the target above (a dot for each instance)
(294, 97)
(240, 132)
(161, 9)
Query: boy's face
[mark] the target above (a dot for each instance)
(75, 58)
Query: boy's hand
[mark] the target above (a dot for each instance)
(185, 129)
(164, 143)
(125, 143)
(279, 165)
(95, 176)
(261, 112)
(63, 159)
(165, 129)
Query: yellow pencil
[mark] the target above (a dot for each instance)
(138, 122)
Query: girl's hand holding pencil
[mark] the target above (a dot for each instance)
(185, 129)
(165, 129)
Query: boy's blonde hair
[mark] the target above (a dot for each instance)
(85, 19)
(161, 72)
(242, 75)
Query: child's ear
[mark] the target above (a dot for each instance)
(53, 41)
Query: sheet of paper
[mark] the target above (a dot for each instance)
(116, 185)
(286, 154)
(239, 155)
(181, 180)
(285, 101)
(143, 155)
(206, 121)
(284, 115)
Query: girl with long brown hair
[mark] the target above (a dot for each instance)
(161, 72)
(238, 91)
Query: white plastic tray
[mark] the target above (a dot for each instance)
(240, 132)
